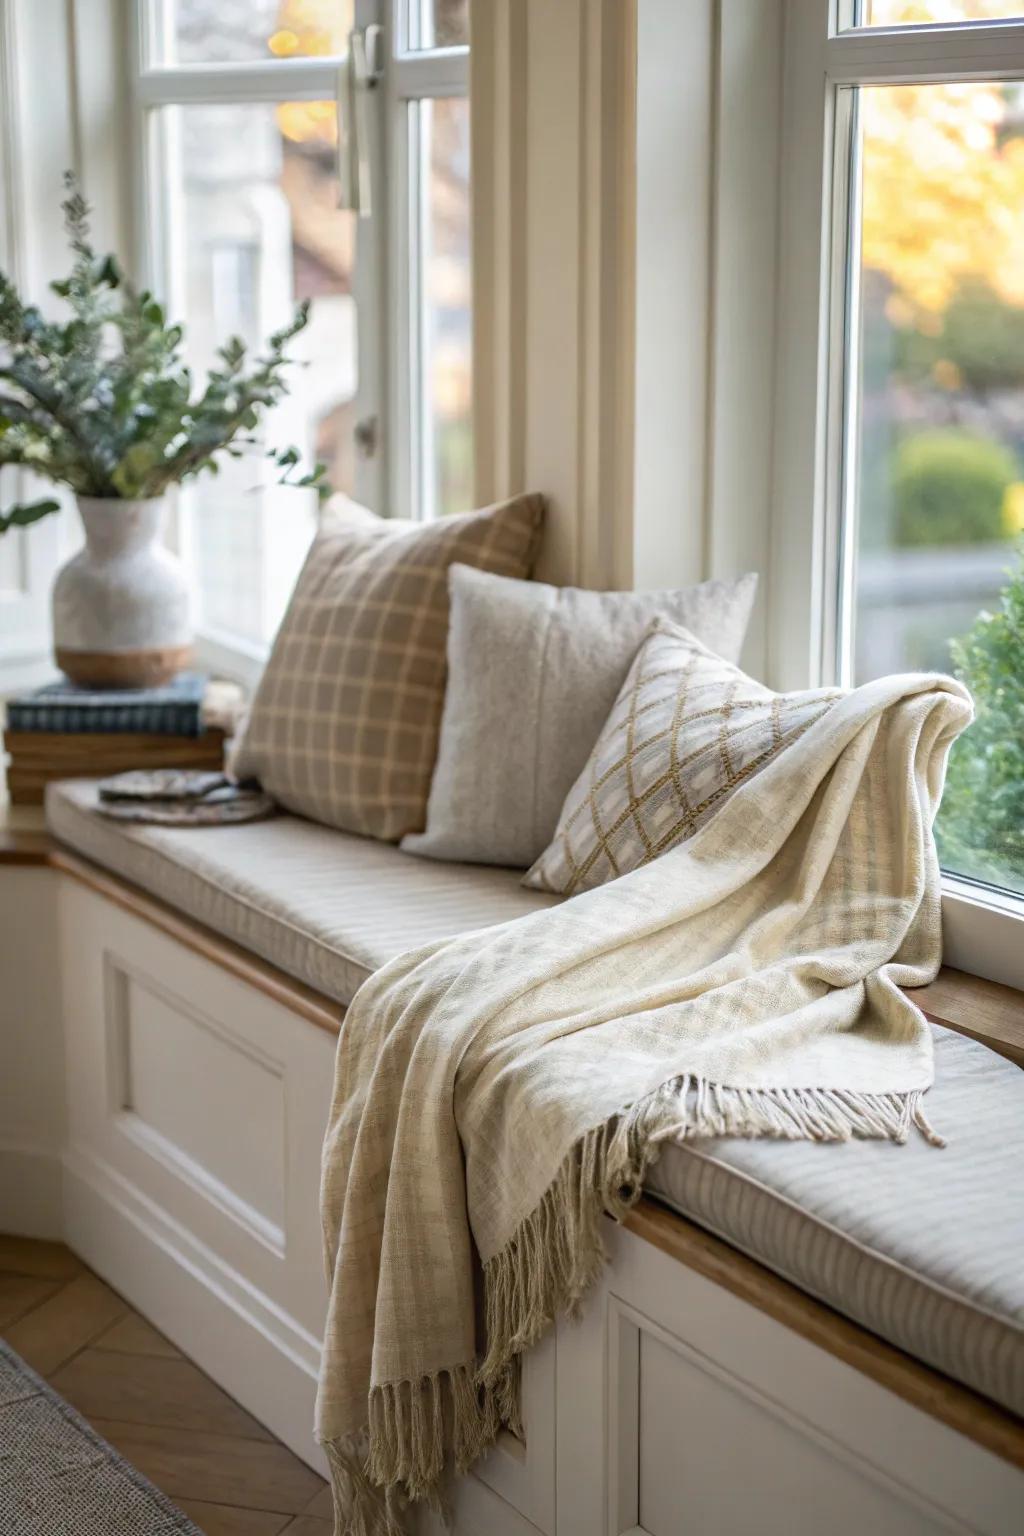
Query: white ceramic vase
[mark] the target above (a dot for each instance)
(121, 606)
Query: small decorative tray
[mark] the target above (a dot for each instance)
(181, 797)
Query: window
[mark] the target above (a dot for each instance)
(917, 518)
(248, 114)
(902, 13)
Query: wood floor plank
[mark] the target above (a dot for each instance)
(223, 1520)
(65, 1323)
(149, 1389)
(20, 1293)
(159, 1409)
(215, 1469)
(323, 1505)
(47, 1261)
(134, 1336)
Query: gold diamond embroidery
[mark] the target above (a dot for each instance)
(687, 730)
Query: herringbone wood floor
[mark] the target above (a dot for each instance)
(186, 1435)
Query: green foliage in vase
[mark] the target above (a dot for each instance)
(104, 403)
(980, 827)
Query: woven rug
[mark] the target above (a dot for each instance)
(59, 1478)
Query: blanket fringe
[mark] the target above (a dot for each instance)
(549, 1264)
(546, 1269)
(360, 1509)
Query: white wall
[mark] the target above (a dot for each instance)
(708, 107)
(552, 91)
(626, 161)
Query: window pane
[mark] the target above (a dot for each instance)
(256, 227)
(903, 13)
(241, 31)
(940, 464)
(438, 23)
(447, 471)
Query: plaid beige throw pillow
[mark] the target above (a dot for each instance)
(686, 730)
(344, 723)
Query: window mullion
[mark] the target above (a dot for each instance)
(877, 56)
(211, 84)
(444, 72)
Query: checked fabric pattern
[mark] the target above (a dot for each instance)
(345, 721)
(686, 731)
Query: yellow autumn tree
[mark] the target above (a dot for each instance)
(943, 181)
(310, 29)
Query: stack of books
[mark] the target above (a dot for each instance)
(66, 732)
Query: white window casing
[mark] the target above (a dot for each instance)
(38, 141)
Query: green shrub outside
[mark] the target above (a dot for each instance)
(980, 826)
(948, 487)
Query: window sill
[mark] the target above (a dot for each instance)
(983, 932)
(223, 655)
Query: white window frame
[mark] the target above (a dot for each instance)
(414, 75)
(811, 557)
(391, 384)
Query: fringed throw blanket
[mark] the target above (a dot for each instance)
(495, 1094)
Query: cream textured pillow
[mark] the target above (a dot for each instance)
(344, 723)
(532, 672)
(687, 730)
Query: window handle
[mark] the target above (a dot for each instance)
(359, 72)
(367, 436)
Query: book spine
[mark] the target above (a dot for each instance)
(170, 719)
(41, 757)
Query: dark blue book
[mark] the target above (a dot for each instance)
(173, 709)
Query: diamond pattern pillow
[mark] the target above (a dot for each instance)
(344, 724)
(686, 731)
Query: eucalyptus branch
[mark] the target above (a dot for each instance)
(49, 400)
(17, 413)
(121, 420)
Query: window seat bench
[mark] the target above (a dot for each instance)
(923, 1247)
(205, 973)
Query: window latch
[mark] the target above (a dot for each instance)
(359, 72)
(367, 435)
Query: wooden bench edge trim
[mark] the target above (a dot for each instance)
(25, 847)
(25, 858)
(266, 978)
(984, 1010)
(994, 1428)
(985, 1036)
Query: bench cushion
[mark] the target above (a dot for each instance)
(924, 1247)
(327, 907)
(921, 1245)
